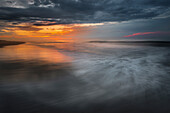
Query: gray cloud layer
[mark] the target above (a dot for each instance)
(82, 11)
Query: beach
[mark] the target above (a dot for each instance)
(86, 77)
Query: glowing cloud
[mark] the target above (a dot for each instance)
(44, 30)
(143, 33)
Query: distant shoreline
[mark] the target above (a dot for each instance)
(129, 41)
(9, 43)
(140, 43)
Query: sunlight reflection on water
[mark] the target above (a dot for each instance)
(31, 52)
(27, 62)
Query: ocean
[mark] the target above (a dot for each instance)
(85, 77)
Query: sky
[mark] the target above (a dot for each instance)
(76, 20)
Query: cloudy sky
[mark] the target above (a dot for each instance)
(39, 20)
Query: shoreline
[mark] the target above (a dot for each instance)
(137, 43)
(4, 43)
(164, 42)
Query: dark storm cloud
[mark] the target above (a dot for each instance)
(82, 11)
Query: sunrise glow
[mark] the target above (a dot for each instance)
(47, 32)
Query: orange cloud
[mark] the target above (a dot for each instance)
(48, 32)
(143, 33)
